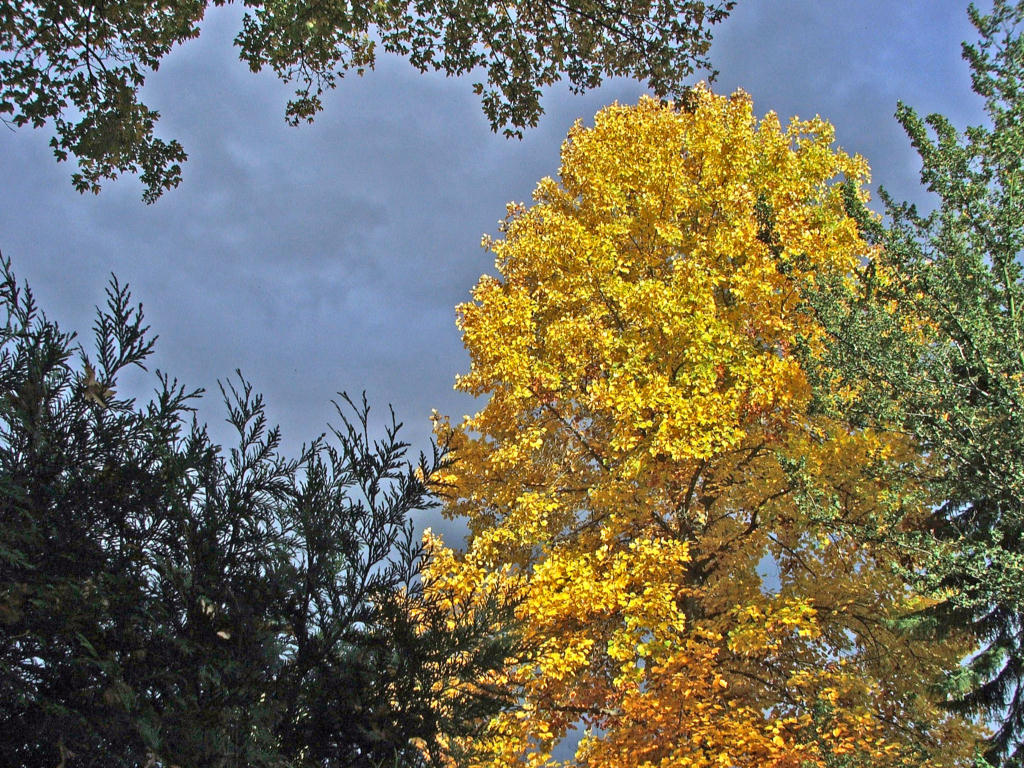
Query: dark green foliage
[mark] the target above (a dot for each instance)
(163, 604)
(81, 64)
(932, 340)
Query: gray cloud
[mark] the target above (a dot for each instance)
(331, 256)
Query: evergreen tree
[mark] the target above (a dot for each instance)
(162, 603)
(931, 342)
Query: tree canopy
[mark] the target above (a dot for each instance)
(634, 470)
(162, 603)
(80, 65)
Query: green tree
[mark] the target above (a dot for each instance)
(931, 342)
(81, 64)
(162, 603)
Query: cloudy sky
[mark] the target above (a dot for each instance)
(330, 257)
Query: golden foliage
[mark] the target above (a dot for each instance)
(633, 466)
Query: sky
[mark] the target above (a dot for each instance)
(330, 257)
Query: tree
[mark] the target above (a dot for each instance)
(164, 604)
(930, 341)
(81, 65)
(634, 471)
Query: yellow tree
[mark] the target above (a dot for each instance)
(632, 473)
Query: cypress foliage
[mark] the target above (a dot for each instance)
(163, 603)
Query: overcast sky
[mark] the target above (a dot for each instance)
(330, 257)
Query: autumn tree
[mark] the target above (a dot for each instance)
(162, 603)
(80, 65)
(643, 467)
(930, 340)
